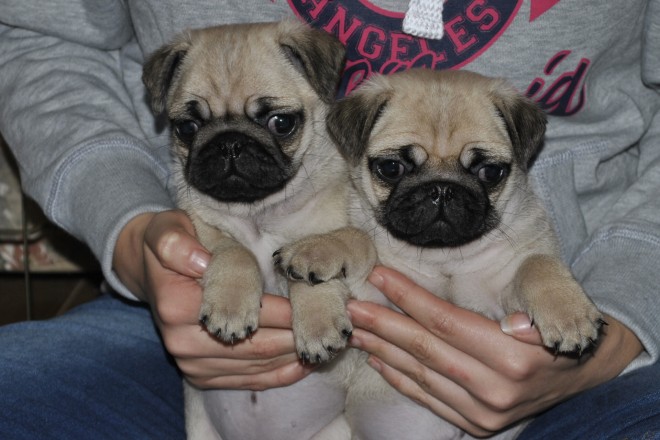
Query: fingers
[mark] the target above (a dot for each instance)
(196, 343)
(413, 390)
(275, 312)
(170, 235)
(437, 367)
(465, 330)
(282, 376)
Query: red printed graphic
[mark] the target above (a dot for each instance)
(540, 7)
(566, 94)
(376, 42)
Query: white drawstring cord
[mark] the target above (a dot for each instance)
(424, 19)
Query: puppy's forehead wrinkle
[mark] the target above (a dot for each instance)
(220, 74)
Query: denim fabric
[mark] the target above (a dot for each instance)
(100, 371)
(627, 407)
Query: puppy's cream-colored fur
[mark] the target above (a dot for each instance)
(231, 81)
(255, 169)
(451, 132)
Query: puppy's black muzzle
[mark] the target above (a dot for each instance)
(438, 214)
(235, 167)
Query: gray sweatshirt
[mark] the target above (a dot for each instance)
(73, 109)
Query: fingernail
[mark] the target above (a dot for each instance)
(374, 363)
(199, 261)
(354, 342)
(516, 323)
(376, 279)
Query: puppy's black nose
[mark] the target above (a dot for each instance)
(441, 193)
(231, 144)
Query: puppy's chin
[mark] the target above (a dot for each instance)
(438, 214)
(236, 168)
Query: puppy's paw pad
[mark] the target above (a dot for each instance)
(227, 323)
(320, 342)
(574, 331)
(314, 261)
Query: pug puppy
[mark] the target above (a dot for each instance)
(439, 162)
(255, 169)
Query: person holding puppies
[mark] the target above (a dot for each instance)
(73, 110)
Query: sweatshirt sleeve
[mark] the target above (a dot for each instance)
(619, 266)
(68, 116)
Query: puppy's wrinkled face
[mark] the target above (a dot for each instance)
(437, 154)
(243, 101)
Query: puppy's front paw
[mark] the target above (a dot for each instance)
(570, 325)
(230, 309)
(314, 259)
(320, 323)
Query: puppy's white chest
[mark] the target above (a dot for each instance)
(476, 283)
(262, 244)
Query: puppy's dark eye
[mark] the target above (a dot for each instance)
(281, 125)
(490, 174)
(186, 130)
(390, 170)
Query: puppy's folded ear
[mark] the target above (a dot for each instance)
(351, 120)
(525, 123)
(318, 55)
(160, 70)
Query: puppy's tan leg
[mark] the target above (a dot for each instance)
(320, 322)
(545, 289)
(232, 287)
(347, 253)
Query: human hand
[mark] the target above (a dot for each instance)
(159, 259)
(464, 368)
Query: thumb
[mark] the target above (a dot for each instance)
(171, 237)
(520, 327)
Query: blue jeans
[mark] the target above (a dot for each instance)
(100, 371)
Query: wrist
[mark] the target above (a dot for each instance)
(128, 257)
(618, 346)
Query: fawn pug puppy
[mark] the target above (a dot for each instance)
(438, 163)
(255, 169)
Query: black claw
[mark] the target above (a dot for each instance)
(331, 349)
(277, 252)
(249, 330)
(218, 333)
(233, 338)
(304, 357)
(291, 274)
(601, 322)
(318, 358)
(556, 348)
(277, 261)
(347, 333)
(313, 279)
(203, 319)
(592, 342)
(578, 349)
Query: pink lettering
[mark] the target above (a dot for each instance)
(372, 42)
(566, 95)
(488, 17)
(437, 57)
(339, 22)
(317, 7)
(458, 35)
(402, 45)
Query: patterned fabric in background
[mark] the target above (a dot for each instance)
(50, 248)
